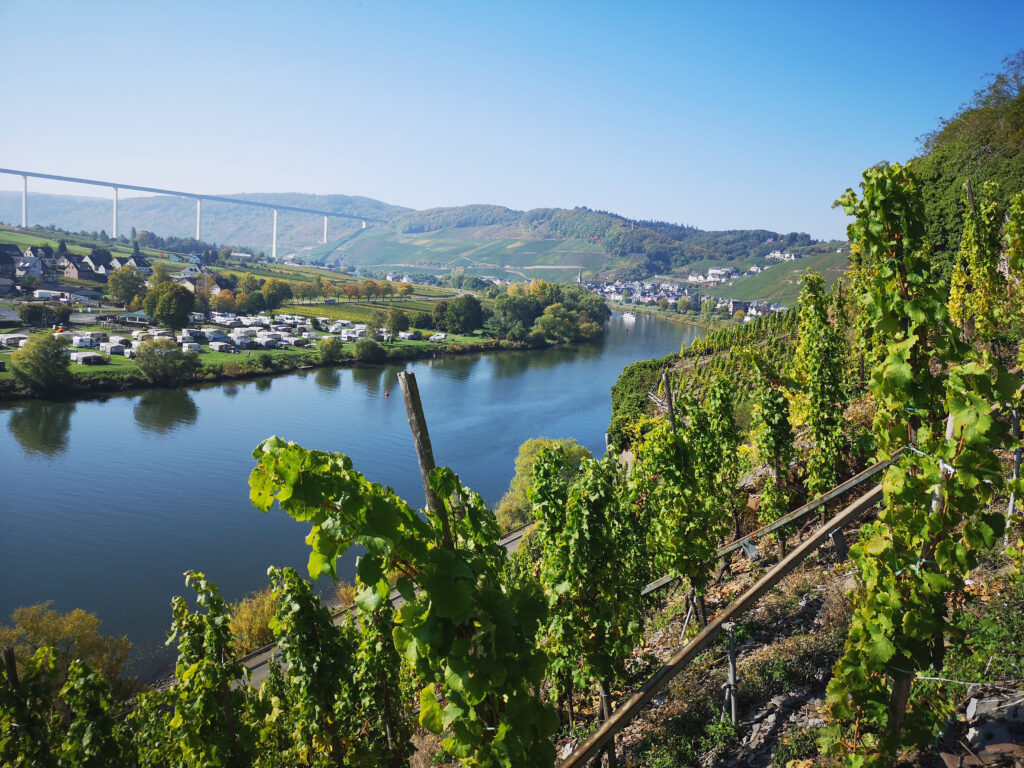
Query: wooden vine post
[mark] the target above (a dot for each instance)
(424, 453)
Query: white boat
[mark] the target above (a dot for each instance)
(628, 316)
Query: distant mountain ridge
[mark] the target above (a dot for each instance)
(478, 238)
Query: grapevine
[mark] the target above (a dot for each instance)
(589, 546)
(461, 631)
(819, 362)
(939, 397)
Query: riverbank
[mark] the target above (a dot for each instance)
(112, 380)
(677, 318)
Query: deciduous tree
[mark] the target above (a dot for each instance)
(170, 304)
(125, 284)
(41, 365)
(163, 362)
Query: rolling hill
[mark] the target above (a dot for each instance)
(553, 243)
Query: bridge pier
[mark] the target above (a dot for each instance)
(113, 234)
(273, 248)
(24, 202)
(325, 230)
(199, 214)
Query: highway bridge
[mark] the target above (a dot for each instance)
(116, 186)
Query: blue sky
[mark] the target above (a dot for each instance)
(718, 115)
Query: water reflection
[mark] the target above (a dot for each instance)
(42, 427)
(231, 389)
(327, 378)
(369, 376)
(455, 368)
(263, 385)
(165, 410)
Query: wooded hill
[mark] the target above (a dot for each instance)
(552, 243)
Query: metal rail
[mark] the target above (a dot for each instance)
(631, 707)
(793, 516)
(258, 659)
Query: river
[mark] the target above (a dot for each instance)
(106, 502)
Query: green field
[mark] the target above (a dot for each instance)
(445, 250)
(781, 282)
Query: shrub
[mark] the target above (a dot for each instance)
(329, 350)
(250, 621)
(162, 361)
(74, 635)
(369, 351)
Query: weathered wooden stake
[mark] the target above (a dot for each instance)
(10, 668)
(424, 453)
(668, 399)
(839, 544)
(606, 713)
(730, 694)
(1015, 433)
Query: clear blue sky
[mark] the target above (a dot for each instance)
(719, 115)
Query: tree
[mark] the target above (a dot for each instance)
(136, 253)
(163, 362)
(397, 322)
(351, 290)
(439, 315)
(368, 288)
(249, 285)
(251, 303)
(369, 351)
(557, 323)
(514, 508)
(464, 314)
(160, 275)
(514, 311)
(405, 290)
(275, 292)
(378, 321)
(307, 291)
(170, 304)
(44, 314)
(224, 301)
(329, 350)
(62, 248)
(73, 635)
(125, 284)
(41, 365)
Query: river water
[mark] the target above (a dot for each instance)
(104, 503)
